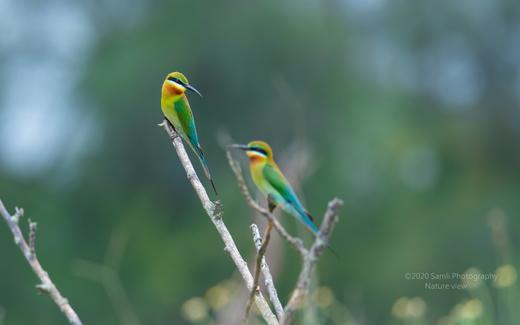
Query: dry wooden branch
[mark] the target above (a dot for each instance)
(259, 258)
(309, 260)
(310, 257)
(28, 250)
(268, 278)
(213, 210)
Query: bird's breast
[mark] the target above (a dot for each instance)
(256, 169)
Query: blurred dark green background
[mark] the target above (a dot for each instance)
(409, 111)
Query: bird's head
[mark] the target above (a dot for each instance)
(176, 84)
(257, 150)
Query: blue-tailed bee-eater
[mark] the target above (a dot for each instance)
(177, 110)
(271, 182)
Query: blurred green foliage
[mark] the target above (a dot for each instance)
(410, 110)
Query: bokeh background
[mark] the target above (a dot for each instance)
(409, 111)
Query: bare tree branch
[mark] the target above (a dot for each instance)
(310, 257)
(268, 278)
(213, 210)
(259, 259)
(297, 243)
(28, 250)
(309, 260)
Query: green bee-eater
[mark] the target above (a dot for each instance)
(177, 110)
(271, 182)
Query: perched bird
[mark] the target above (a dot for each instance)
(177, 110)
(269, 179)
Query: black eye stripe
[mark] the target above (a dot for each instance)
(177, 80)
(260, 150)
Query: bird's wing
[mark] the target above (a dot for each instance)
(280, 184)
(183, 110)
(189, 133)
(284, 190)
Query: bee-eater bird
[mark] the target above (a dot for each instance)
(271, 182)
(177, 110)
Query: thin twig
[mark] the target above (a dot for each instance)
(310, 257)
(297, 243)
(46, 285)
(259, 259)
(268, 278)
(213, 210)
(309, 262)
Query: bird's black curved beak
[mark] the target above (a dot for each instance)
(240, 146)
(190, 87)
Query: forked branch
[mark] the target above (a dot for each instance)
(213, 210)
(310, 257)
(29, 252)
(310, 260)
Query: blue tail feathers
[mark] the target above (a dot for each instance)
(204, 163)
(305, 217)
(309, 221)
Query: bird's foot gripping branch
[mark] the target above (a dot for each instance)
(310, 256)
(211, 210)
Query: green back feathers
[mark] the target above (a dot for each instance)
(186, 120)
